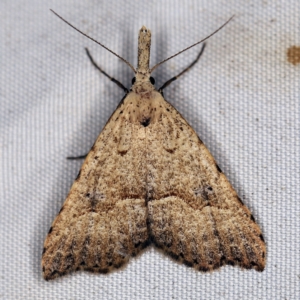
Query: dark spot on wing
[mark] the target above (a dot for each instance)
(252, 218)
(253, 264)
(259, 268)
(69, 261)
(50, 230)
(218, 168)
(188, 263)
(169, 244)
(170, 150)
(261, 237)
(104, 271)
(223, 259)
(146, 122)
(118, 265)
(174, 256)
(122, 153)
(53, 274)
(230, 262)
(240, 200)
(203, 269)
(136, 245)
(146, 243)
(78, 176)
(238, 259)
(216, 265)
(204, 192)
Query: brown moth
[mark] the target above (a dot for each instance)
(150, 179)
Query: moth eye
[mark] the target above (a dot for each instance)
(133, 80)
(152, 80)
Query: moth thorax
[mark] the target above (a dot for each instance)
(144, 50)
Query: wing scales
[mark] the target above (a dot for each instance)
(148, 178)
(103, 220)
(195, 215)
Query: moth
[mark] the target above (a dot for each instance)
(150, 179)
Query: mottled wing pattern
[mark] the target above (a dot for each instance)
(103, 220)
(148, 178)
(194, 213)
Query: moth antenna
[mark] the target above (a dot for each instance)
(124, 60)
(160, 63)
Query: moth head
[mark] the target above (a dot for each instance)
(142, 83)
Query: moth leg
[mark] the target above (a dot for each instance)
(185, 70)
(104, 73)
(77, 157)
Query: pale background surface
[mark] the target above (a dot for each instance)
(242, 99)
